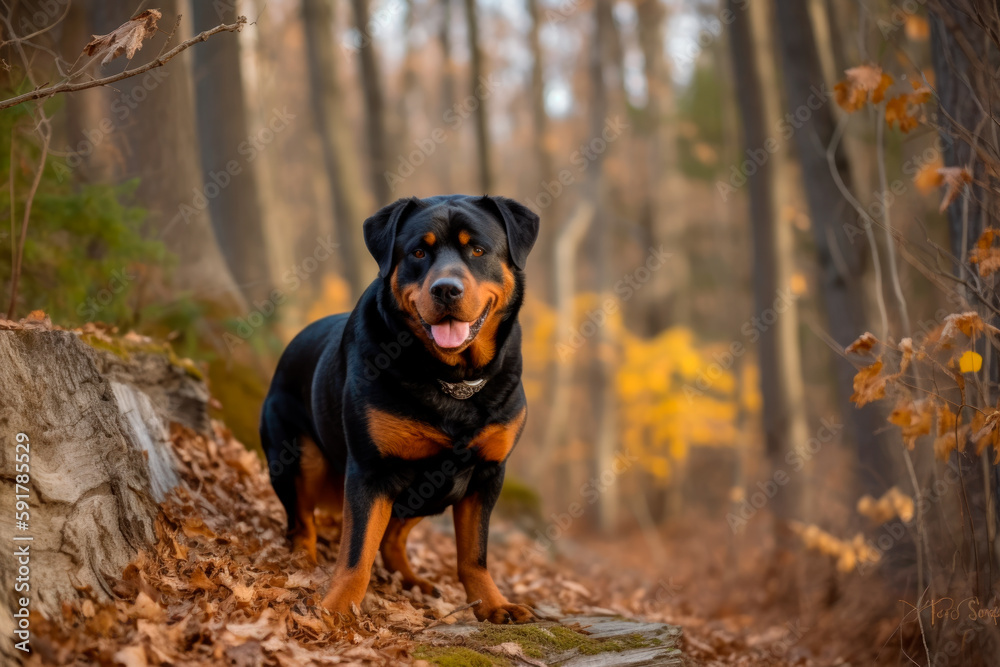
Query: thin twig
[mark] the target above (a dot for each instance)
(451, 613)
(67, 87)
(45, 129)
(890, 241)
(170, 35)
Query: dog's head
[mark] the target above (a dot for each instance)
(454, 266)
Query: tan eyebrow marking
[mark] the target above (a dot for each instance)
(463, 237)
(429, 238)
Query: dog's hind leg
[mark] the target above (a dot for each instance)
(309, 483)
(297, 468)
(394, 554)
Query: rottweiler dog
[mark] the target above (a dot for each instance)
(412, 402)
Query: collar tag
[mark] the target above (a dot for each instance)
(462, 390)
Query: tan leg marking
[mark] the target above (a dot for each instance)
(472, 572)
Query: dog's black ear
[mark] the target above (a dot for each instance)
(521, 224)
(380, 232)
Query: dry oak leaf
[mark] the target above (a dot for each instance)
(868, 385)
(987, 431)
(945, 444)
(968, 323)
(126, 38)
(863, 345)
(903, 109)
(862, 83)
(913, 418)
(985, 254)
(955, 179)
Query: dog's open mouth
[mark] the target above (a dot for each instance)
(451, 334)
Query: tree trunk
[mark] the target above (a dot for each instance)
(90, 155)
(476, 86)
(660, 191)
(840, 260)
(447, 84)
(604, 57)
(783, 417)
(222, 131)
(371, 84)
(351, 202)
(157, 134)
(544, 161)
(96, 459)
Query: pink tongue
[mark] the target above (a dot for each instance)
(450, 333)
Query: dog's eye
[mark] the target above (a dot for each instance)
(418, 253)
(477, 251)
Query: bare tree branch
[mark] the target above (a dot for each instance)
(67, 87)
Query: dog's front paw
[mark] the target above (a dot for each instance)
(507, 612)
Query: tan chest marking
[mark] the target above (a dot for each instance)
(495, 441)
(404, 438)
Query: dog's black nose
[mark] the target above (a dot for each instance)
(447, 290)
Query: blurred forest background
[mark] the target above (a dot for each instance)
(732, 192)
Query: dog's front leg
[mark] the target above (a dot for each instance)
(472, 525)
(366, 515)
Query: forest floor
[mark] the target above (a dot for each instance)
(221, 587)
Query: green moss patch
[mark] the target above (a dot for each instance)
(538, 641)
(456, 656)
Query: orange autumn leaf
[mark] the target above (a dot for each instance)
(863, 345)
(914, 419)
(945, 444)
(986, 431)
(946, 420)
(897, 111)
(985, 254)
(862, 83)
(955, 179)
(968, 323)
(904, 109)
(868, 385)
(929, 176)
(906, 347)
(917, 28)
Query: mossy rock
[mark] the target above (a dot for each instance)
(585, 641)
